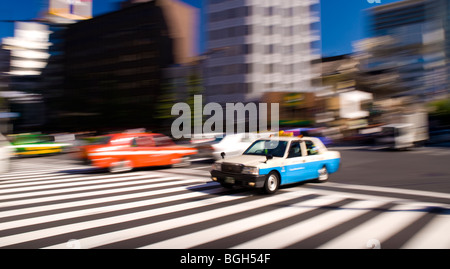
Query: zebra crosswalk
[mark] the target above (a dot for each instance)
(58, 204)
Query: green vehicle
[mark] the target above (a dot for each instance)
(36, 144)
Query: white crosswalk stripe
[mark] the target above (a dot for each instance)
(312, 226)
(190, 240)
(85, 203)
(65, 205)
(434, 236)
(380, 228)
(175, 223)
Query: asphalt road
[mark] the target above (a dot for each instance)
(395, 199)
(426, 169)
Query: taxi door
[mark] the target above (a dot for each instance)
(163, 150)
(296, 167)
(314, 160)
(143, 151)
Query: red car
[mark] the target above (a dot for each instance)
(125, 151)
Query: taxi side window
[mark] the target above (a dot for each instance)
(311, 149)
(162, 141)
(295, 150)
(144, 141)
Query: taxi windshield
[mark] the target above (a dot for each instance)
(267, 147)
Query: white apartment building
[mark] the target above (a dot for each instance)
(258, 46)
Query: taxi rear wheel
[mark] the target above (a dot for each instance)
(272, 183)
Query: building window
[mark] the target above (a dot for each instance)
(247, 48)
(270, 49)
(248, 11)
(268, 11)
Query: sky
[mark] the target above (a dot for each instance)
(343, 22)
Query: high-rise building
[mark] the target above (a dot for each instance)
(255, 47)
(408, 53)
(5, 56)
(28, 58)
(183, 22)
(440, 13)
(35, 73)
(114, 63)
(29, 48)
(71, 9)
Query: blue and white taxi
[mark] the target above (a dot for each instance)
(272, 162)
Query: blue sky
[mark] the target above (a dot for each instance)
(342, 21)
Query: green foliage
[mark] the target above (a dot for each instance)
(440, 107)
(169, 93)
(165, 102)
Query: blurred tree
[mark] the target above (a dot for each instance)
(171, 94)
(165, 101)
(194, 87)
(441, 107)
(440, 111)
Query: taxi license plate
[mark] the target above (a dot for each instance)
(229, 180)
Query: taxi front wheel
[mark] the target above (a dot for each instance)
(120, 166)
(323, 175)
(272, 183)
(182, 162)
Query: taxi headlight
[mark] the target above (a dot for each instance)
(217, 166)
(250, 170)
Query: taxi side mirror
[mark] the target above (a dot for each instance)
(223, 155)
(269, 157)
